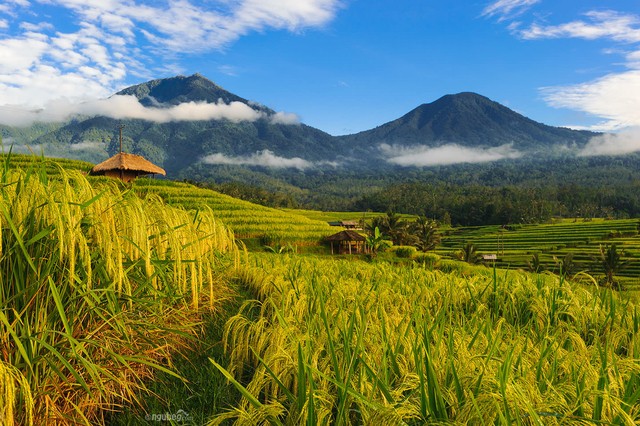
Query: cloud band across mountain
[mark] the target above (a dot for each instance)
(421, 156)
(264, 158)
(123, 107)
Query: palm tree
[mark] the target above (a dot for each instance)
(469, 254)
(611, 263)
(426, 231)
(534, 263)
(393, 227)
(567, 266)
(397, 229)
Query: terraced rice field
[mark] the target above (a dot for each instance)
(52, 166)
(515, 245)
(247, 220)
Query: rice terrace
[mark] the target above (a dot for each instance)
(319, 212)
(176, 316)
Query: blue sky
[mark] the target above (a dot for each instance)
(339, 65)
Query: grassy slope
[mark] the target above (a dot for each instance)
(247, 220)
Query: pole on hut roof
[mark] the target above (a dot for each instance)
(120, 127)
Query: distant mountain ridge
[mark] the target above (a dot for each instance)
(470, 120)
(465, 119)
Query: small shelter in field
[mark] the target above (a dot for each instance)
(126, 167)
(347, 242)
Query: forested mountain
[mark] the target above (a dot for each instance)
(178, 144)
(465, 119)
(471, 120)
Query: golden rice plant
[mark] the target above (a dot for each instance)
(97, 287)
(346, 342)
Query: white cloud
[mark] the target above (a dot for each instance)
(614, 97)
(88, 146)
(21, 53)
(625, 142)
(128, 107)
(114, 39)
(229, 70)
(421, 156)
(181, 25)
(264, 158)
(9, 6)
(285, 118)
(603, 24)
(30, 27)
(508, 8)
(4, 24)
(290, 14)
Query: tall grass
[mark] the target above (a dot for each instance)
(345, 342)
(97, 287)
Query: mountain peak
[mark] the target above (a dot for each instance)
(472, 120)
(463, 98)
(180, 89)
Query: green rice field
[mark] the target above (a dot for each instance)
(515, 245)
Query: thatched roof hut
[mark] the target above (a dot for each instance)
(347, 242)
(126, 167)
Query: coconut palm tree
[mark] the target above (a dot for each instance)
(426, 232)
(534, 263)
(393, 227)
(567, 267)
(469, 254)
(611, 263)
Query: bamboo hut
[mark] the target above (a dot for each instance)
(347, 242)
(126, 167)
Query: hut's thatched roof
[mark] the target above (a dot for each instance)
(346, 236)
(124, 161)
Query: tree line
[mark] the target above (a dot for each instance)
(483, 205)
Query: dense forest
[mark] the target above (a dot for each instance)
(521, 191)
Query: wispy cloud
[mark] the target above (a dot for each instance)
(264, 158)
(88, 146)
(421, 156)
(621, 143)
(181, 25)
(614, 97)
(507, 9)
(599, 24)
(229, 70)
(128, 107)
